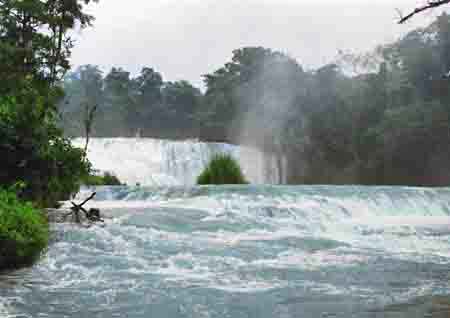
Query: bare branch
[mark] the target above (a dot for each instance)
(430, 5)
(88, 199)
(93, 215)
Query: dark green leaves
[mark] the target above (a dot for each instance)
(222, 169)
(24, 231)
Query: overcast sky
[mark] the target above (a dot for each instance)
(184, 39)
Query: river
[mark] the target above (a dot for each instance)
(245, 251)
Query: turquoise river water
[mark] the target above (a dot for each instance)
(245, 251)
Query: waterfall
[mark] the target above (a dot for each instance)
(158, 162)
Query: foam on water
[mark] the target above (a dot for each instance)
(4, 307)
(235, 250)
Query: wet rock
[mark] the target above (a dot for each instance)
(63, 216)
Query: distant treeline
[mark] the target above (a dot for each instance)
(376, 118)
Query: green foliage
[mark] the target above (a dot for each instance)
(107, 179)
(222, 169)
(34, 39)
(35, 45)
(35, 151)
(24, 231)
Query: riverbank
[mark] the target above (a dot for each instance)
(24, 232)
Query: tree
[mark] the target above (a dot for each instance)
(118, 93)
(35, 151)
(34, 37)
(83, 98)
(34, 48)
(148, 86)
(92, 87)
(147, 98)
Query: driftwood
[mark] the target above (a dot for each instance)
(92, 215)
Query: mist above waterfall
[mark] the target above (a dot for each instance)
(267, 99)
(262, 88)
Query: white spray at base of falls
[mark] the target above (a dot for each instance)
(160, 162)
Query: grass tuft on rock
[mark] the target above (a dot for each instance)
(222, 169)
(24, 231)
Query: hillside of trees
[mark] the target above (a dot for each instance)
(381, 117)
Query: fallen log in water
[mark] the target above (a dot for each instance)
(92, 215)
(60, 216)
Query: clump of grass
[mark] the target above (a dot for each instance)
(24, 231)
(222, 169)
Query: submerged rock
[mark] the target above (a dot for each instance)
(67, 216)
(61, 216)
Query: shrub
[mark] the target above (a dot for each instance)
(24, 231)
(110, 179)
(222, 169)
(106, 179)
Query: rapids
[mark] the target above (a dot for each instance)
(244, 251)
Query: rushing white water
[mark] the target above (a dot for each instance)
(160, 162)
(245, 251)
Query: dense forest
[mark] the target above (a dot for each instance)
(381, 117)
(40, 167)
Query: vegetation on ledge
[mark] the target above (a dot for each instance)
(24, 231)
(222, 169)
(107, 179)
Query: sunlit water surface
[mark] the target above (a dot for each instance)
(245, 251)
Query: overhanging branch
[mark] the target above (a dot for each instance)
(430, 5)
